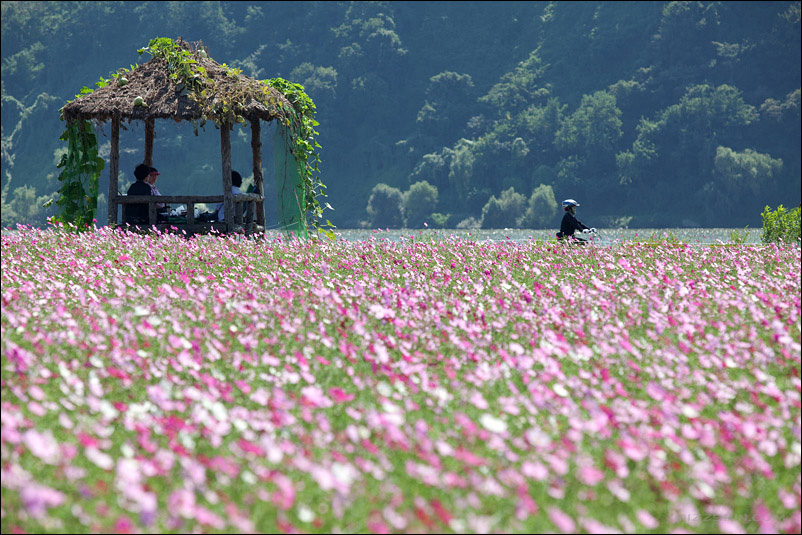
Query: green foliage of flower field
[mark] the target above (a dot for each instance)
(163, 384)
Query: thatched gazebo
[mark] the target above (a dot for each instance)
(202, 90)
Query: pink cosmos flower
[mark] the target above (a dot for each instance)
(314, 396)
(43, 445)
(646, 519)
(181, 502)
(208, 518)
(590, 475)
(727, 525)
(37, 499)
(562, 521)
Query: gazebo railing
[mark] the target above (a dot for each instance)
(243, 215)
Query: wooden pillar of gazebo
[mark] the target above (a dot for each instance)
(114, 169)
(149, 142)
(256, 147)
(225, 153)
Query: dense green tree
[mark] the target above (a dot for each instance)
(538, 125)
(782, 110)
(594, 129)
(684, 45)
(460, 172)
(675, 154)
(504, 211)
(739, 176)
(420, 201)
(685, 135)
(319, 82)
(541, 209)
(368, 40)
(588, 139)
(444, 116)
(386, 207)
(520, 87)
(433, 168)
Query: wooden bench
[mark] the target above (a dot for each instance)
(243, 215)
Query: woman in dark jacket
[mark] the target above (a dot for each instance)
(570, 223)
(137, 214)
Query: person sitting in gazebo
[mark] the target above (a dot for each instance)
(219, 211)
(153, 176)
(137, 214)
(236, 182)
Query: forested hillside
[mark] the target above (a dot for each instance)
(454, 114)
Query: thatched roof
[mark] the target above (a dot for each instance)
(167, 100)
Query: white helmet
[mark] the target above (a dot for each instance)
(569, 202)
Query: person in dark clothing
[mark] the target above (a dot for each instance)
(162, 210)
(137, 214)
(570, 223)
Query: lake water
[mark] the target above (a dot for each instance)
(696, 236)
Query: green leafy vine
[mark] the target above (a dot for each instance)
(302, 137)
(80, 175)
(81, 167)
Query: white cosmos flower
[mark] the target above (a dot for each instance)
(305, 514)
(491, 423)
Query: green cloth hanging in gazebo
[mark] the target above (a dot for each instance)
(291, 195)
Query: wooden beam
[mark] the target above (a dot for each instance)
(196, 228)
(114, 169)
(225, 153)
(175, 199)
(149, 134)
(256, 147)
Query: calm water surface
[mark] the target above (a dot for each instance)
(699, 236)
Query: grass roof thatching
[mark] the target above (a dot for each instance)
(214, 92)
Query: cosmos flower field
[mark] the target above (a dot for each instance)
(162, 384)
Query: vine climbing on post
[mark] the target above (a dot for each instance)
(80, 175)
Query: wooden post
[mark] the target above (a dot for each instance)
(256, 147)
(190, 213)
(149, 142)
(151, 213)
(249, 217)
(225, 153)
(114, 169)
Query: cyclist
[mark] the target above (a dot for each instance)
(570, 223)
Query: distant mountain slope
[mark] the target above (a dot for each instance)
(654, 113)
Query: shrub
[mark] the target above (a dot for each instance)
(505, 211)
(440, 220)
(385, 207)
(541, 210)
(781, 225)
(419, 203)
(469, 223)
